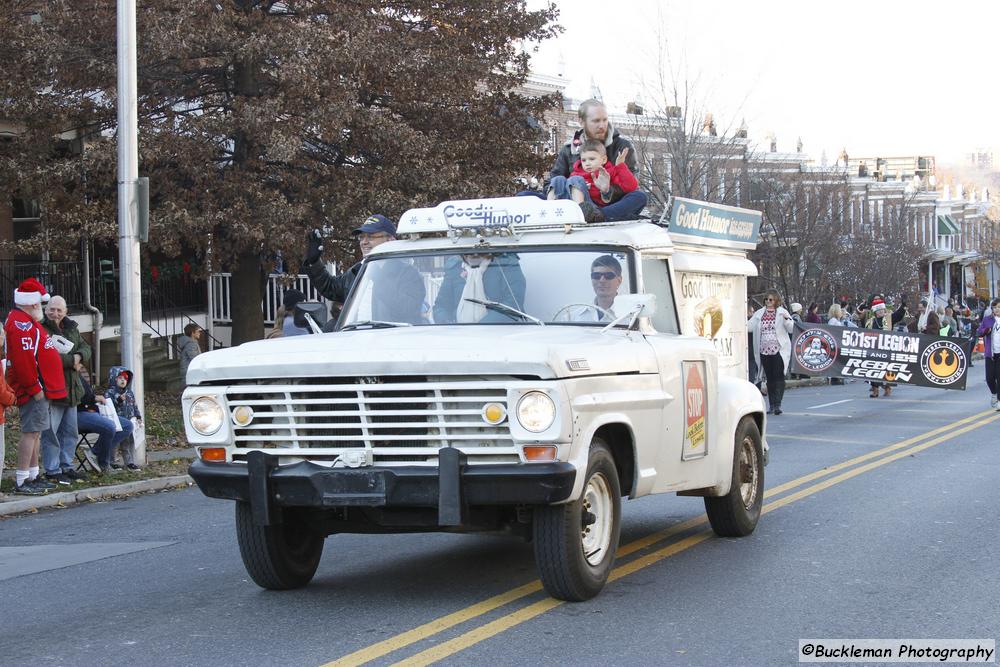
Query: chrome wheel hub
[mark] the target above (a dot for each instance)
(597, 517)
(748, 472)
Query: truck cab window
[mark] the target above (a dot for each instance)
(656, 280)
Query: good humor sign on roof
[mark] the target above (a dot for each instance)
(714, 224)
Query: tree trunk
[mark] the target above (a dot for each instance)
(246, 295)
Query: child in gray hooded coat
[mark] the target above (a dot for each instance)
(120, 394)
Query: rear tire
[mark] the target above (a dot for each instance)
(575, 543)
(736, 513)
(278, 557)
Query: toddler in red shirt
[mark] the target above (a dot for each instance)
(594, 184)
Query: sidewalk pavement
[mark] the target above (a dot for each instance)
(13, 504)
(155, 455)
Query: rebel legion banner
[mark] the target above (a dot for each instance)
(886, 356)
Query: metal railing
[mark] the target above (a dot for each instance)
(62, 278)
(167, 303)
(274, 290)
(167, 299)
(66, 280)
(171, 318)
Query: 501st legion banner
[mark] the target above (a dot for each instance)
(883, 356)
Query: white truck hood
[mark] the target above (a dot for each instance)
(537, 351)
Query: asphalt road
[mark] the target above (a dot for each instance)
(880, 521)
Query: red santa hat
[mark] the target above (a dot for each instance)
(877, 303)
(30, 293)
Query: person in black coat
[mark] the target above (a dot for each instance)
(398, 289)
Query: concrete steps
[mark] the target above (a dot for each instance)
(160, 371)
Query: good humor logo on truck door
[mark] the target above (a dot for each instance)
(695, 407)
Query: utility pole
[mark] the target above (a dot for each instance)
(128, 240)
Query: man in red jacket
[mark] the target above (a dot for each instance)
(35, 375)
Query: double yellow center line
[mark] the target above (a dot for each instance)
(440, 651)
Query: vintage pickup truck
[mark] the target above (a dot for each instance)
(551, 368)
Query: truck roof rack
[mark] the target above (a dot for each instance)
(497, 215)
(692, 222)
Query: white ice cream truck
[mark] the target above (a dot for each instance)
(551, 368)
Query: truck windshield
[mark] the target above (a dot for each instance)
(484, 286)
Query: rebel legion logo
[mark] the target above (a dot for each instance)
(943, 362)
(816, 350)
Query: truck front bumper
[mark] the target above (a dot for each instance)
(450, 487)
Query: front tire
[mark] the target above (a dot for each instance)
(575, 543)
(736, 513)
(278, 557)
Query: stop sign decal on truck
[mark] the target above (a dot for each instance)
(695, 404)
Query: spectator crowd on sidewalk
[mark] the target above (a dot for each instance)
(770, 330)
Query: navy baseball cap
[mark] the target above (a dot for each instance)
(375, 224)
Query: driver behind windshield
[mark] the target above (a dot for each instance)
(483, 277)
(606, 278)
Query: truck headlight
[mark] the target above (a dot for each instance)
(206, 415)
(536, 411)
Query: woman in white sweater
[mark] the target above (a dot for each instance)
(771, 327)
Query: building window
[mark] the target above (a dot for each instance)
(26, 222)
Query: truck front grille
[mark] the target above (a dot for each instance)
(400, 421)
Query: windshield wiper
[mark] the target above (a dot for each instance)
(506, 310)
(374, 324)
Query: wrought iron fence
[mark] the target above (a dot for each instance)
(66, 280)
(62, 278)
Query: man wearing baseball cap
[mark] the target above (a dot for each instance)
(373, 232)
(401, 293)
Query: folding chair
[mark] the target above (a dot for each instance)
(84, 454)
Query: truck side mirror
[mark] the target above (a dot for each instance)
(631, 307)
(310, 315)
(626, 303)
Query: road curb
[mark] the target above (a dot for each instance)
(67, 498)
(810, 382)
